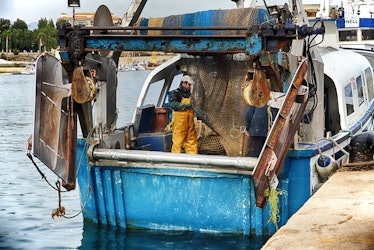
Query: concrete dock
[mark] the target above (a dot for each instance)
(340, 215)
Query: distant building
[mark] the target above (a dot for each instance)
(86, 18)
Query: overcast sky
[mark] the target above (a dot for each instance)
(32, 10)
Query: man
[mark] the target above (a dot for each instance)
(257, 125)
(183, 125)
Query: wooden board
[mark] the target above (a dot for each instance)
(271, 159)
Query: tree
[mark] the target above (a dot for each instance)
(46, 34)
(4, 31)
(4, 24)
(21, 38)
(19, 24)
(51, 24)
(60, 22)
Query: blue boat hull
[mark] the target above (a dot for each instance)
(162, 197)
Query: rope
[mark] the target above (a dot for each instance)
(40, 172)
(272, 196)
(355, 166)
(337, 145)
(348, 131)
(84, 205)
(86, 145)
(314, 139)
(61, 211)
(270, 118)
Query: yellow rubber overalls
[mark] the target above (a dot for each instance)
(184, 132)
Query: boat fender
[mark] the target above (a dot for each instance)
(361, 147)
(325, 166)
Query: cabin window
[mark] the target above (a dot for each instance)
(360, 90)
(347, 35)
(153, 93)
(369, 83)
(367, 35)
(348, 98)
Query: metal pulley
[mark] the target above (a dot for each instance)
(256, 89)
(83, 87)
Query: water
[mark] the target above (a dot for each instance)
(26, 200)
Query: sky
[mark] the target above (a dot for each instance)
(32, 10)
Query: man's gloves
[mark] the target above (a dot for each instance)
(179, 106)
(187, 106)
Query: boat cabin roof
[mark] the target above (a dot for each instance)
(352, 76)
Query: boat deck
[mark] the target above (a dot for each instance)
(340, 215)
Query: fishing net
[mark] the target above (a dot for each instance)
(208, 140)
(243, 17)
(216, 96)
(217, 102)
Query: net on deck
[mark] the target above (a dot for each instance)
(218, 101)
(217, 96)
(244, 17)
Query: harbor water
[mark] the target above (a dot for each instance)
(27, 201)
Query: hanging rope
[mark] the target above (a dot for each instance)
(272, 196)
(86, 145)
(40, 172)
(61, 211)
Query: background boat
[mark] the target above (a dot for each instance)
(29, 69)
(354, 21)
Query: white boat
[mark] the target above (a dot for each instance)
(126, 173)
(4, 62)
(29, 70)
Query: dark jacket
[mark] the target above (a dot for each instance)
(176, 98)
(257, 121)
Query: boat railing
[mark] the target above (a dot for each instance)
(198, 161)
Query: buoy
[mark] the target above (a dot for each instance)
(325, 166)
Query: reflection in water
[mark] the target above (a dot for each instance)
(102, 237)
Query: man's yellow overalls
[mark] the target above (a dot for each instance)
(184, 132)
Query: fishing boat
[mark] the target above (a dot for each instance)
(127, 175)
(354, 21)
